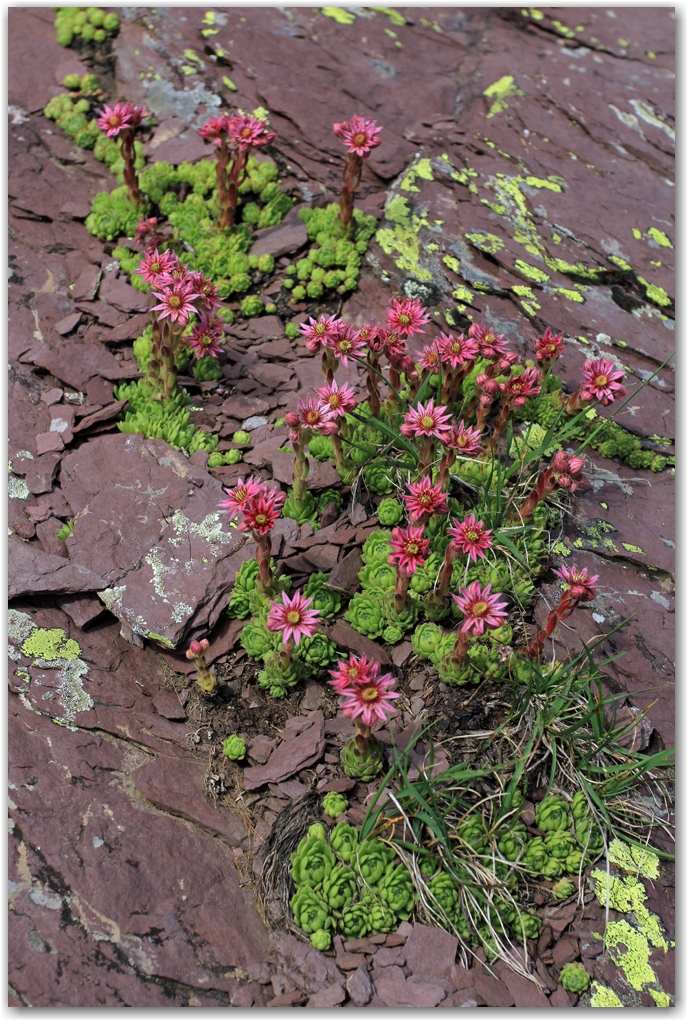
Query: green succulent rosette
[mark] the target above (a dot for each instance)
(382, 918)
(563, 889)
(376, 547)
(389, 513)
(530, 923)
(247, 575)
(239, 604)
(453, 673)
(334, 804)
(310, 912)
(340, 889)
(328, 496)
(355, 921)
(317, 651)
(366, 615)
(312, 863)
(258, 640)
(392, 634)
(344, 841)
(559, 845)
(321, 940)
(278, 677)
(302, 511)
(426, 640)
(511, 842)
(445, 891)
(378, 576)
(372, 859)
(363, 766)
(378, 478)
(234, 748)
(317, 831)
(535, 856)
(397, 892)
(473, 833)
(424, 578)
(501, 635)
(575, 861)
(574, 978)
(552, 814)
(579, 807)
(321, 448)
(589, 835)
(428, 864)
(552, 868)
(324, 599)
(404, 618)
(259, 603)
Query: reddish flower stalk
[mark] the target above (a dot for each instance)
(428, 423)
(259, 507)
(564, 472)
(234, 137)
(360, 135)
(371, 336)
(581, 588)
(206, 679)
(339, 400)
(295, 620)
(517, 390)
(312, 416)
(121, 122)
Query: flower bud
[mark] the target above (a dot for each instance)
(292, 419)
(575, 465)
(294, 435)
(485, 400)
(204, 644)
(194, 649)
(519, 401)
(481, 380)
(564, 481)
(491, 387)
(560, 461)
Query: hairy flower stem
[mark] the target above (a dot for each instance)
(300, 469)
(575, 403)
(235, 177)
(263, 555)
(351, 179)
(206, 679)
(460, 650)
(545, 485)
(401, 593)
(426, 456)
(500, 426)
(362, 737)
(561, 612)
(286, 654)
(221, 173)
(338, 452)
(445, 465)
(394, 386)
(329, 366)
(373, 384)
(168, 373)
(155, 360)
(129, 156)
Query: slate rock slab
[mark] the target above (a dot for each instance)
(290, 757)
(147, 521)
(32, 571)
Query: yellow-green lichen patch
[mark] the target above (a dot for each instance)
(571, 295)
(394, 16)
(637, 234)
(452, 262)
(421, 169)
(402, 240)
(659, 237)
(633, 859)
(552, 183)
(629, 547)
(343, 17)
(660, 998)
(561, 549)
(160, 638)
(499, 91)
(463, 294)
(486, 242)
(50, 645)
(563, 29)
(603, 997)
(533, 12)
(620, 262)
(656, 294)
(531, 272)
(522, 291)
(576, 269)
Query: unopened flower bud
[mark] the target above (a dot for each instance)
(481, 380)
(294, 435)
(560, 461)
(564, 481)
(519, 401)
(491, 387)
(195, 648)
(204, 644)
(485, 400)
(291, 419)
(575, 465)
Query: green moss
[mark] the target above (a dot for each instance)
(49, 645)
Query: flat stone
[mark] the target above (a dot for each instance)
(224, 637)
(295, 998)
(401, 652)
(564, 952)
(431, 952)
(342, 785)
(175, 784)
(129, 330)
(82, 610)
(49, 442)
(391, 956)
(281, 240)
(116, 291)
(526, 995)
(188, 147)
(174, 572)
(460, 977)
(344, 635)
(260, 749)
(322, 557)
(293, 788)
(67, 324)
(241, 406)
(359, 986)
(167, 704)
(75, 208)
(304, 966)
(46, 532)
(492, 991)
(104, 414)
(328, 997)
(560, 999)
(76, 363)
(290, 757)
(86, 286)
(52, 396)
(391, 985)
(322, 474)
(263, 327)
(344, 575)
(30, 571)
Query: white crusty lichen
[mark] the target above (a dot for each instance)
(112, 596)
(210, 529)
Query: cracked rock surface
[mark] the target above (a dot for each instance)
(548, 202)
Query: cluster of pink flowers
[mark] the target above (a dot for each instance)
(519, 388)
(566, 470)
(178, 290)
(360, 135)
(240, 129)
(119, 118)
(548, 347)
(258, 505)
(365, 694)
